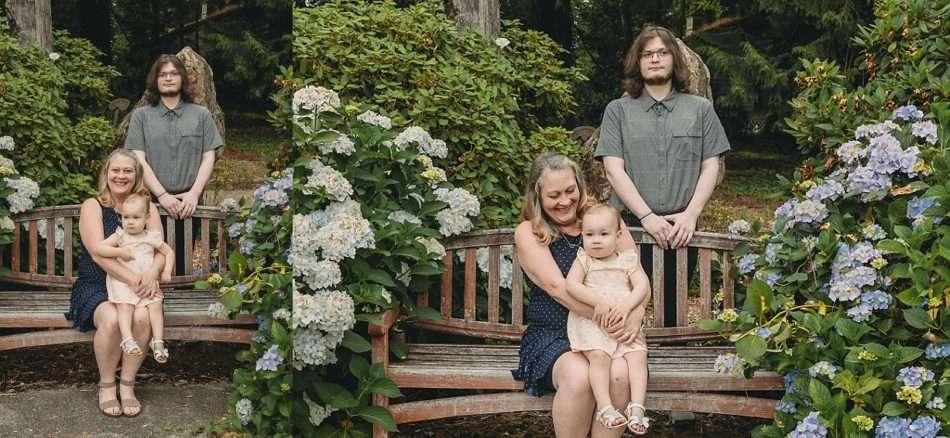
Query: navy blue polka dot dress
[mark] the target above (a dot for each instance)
(89, 290)
(545, 339)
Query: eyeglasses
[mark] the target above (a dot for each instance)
(648, 54)
(169, 74)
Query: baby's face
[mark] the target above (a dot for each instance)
(133, 219)
(601, 233)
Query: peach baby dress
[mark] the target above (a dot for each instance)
(143, 250)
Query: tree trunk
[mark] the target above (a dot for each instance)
(484, 16)
(95, 25)
(31, 22)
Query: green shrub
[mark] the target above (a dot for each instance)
(849, 295)
(554, 139)
(482, 98)
(50, 103)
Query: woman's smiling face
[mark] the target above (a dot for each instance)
(559, 195)
(121, 175)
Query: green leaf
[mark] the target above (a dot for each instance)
(378, 416)
(398, 348)
(851, 330)
(892, 246)
(231, 300)
(381, 277)
(751, 347)
(820, 394)
(907, 354)
(893, 409)
(384, 386)
(335, 395)
(359, 366)
(425, 313)
(355, 342)
(713, 325)
(918, 318)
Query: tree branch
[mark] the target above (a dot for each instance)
(715, 24)
(224, 11)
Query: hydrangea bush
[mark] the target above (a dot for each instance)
(17, 192)
(849, 296)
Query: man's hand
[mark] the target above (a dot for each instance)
(684, 225)
(659, 228)
(171, 204)
(189, 201)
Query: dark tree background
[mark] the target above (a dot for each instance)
(244, 40)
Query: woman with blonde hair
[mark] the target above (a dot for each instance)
(547, 241)
(120, 177)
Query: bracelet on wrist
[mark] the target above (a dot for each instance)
(644, 216)
(160, 196)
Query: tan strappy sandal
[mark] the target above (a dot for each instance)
(108, 404)
(610, 418)
(638, 424)
(129, 402)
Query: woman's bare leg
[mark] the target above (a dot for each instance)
(141, 330)
(573, 401)
(105, 345)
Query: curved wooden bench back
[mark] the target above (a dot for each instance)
(58, 269)
(469, 323)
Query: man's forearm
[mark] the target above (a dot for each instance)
(708, 173)
(151, 181)
(204, 172)
(624, 188)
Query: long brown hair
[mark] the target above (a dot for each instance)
(633, 80)
(152, 95)
(541, 225)
(138, 186)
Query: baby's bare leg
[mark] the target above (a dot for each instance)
(124, 311)
(156, 319)
(599, 375)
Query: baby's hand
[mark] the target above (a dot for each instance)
(617, 315)
(601, 310)
(126, 255)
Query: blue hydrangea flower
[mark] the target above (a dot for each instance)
(809, 427)
(864, 252)
(747, 263)
(790, 380)
(823, 368)
(892, 427)
(926, 130)
(936, 404)
(934, 351)
(809, 212)
(870, 184)
(918, 206)
(773, 278)
(771, 252)
(873, 232)
(270, 360)
(924, 427)
(786, 406)
(828, 190)
(763, 332)
(247, 246)
(817, 340)
(885, 154)
(235, 230)
(915, 376)
(877, 299)
(907, 112)
(860, 313)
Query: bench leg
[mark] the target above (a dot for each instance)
(381, 401)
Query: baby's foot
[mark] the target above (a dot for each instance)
(610, 417)
(130, 347)
(159, 352)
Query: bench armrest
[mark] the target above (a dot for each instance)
(389, 318)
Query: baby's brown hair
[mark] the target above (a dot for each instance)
(137, 199)
(598, 207)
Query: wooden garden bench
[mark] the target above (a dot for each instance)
(681, 375)
(38, 279)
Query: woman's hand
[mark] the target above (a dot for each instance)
(626, 330)
(601, 310)
(147, 286)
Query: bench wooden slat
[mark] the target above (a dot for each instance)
(728, 293)
(470, 280)
(15, 250)
(705, 283)
(658, 284)
(170, 240)
(189, 246)
(517, 290)
(33, 242)
(446, 291)
(51, 247)
(494, 282)
(68, 247)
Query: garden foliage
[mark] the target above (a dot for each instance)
(16, 192)
(848, 295)
(483, 98)
(51, 104)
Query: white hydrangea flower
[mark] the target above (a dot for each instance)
(404, 217)
(6, 143)
(217, 310)
(432, 246)
(319, 99)
(334, 183)
(321, 274)
(341, 145)
(452, 222)
(317, 413)
(243, 408)
(372, 118)
(281, 313)
(313, 347)
(739, 227)
(326, 310)
(229, 204)
(58, 231)
(7, 163)
(504, 263)
(427, 145)
(53, 56)
(6, 224)
(502, 42)
(22, 199)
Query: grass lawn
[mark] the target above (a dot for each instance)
(750, 189)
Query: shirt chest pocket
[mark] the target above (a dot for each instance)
(687, 143)
(189, 137)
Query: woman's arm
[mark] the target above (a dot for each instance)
(539, 266)
(90, 231)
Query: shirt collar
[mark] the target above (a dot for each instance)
(176, 111)
(647, 102)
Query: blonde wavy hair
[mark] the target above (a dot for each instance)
(544, 229)
(138, 186)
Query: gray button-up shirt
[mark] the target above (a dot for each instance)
(662, 144)
(173, 141)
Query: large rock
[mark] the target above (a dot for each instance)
(588, 136)
(202, 88)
